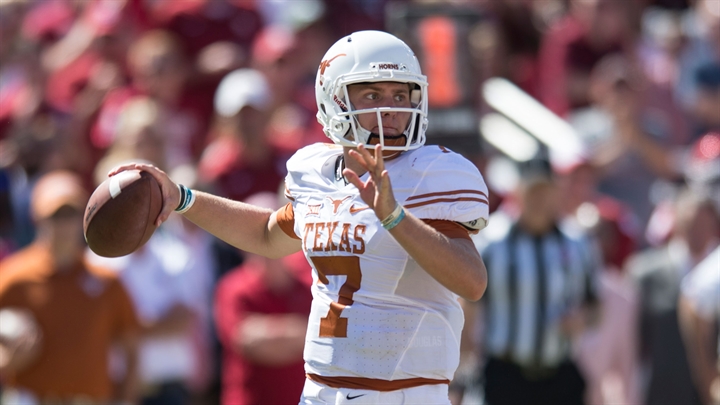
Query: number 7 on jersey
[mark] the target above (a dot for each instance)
(333, 325)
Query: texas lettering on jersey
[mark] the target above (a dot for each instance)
(320, 236)
(334, 236)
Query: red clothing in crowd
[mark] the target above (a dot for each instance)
(202, 22)
(566, 52)
(224, 165)
(185, 126)
(242, 292)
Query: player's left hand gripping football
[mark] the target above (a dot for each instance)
(376, 192)
(170, 191)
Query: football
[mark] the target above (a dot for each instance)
(121, 213)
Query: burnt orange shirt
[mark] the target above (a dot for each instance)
(81, 312)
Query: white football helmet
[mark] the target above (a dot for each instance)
(362, 57)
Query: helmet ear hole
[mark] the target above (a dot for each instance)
(322, 107)
(415, 95)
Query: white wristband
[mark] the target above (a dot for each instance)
(187, 199)
(394, 218)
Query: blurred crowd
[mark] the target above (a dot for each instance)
(219, 93)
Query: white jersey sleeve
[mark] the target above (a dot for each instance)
(441, 184)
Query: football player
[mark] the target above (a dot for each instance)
(383, 219)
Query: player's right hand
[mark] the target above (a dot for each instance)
(377, 191)
(168, 188)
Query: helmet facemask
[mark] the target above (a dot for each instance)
(355, 134)
(370, 57)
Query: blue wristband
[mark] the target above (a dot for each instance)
(394, 218)
(187, 199)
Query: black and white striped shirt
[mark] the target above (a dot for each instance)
(532, 282)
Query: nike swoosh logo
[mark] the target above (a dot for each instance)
(356, 396)
(354, 210)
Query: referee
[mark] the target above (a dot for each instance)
(540, 293)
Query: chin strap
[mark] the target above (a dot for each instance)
(390, 137)
(339, 166)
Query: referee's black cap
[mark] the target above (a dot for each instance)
(536, 171)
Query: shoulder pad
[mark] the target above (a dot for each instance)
(441, 184)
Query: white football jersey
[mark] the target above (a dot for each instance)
(376, 313)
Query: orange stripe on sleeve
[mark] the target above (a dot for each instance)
(451, 229)
(444, 200)
(285, 218)
(443, 193)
